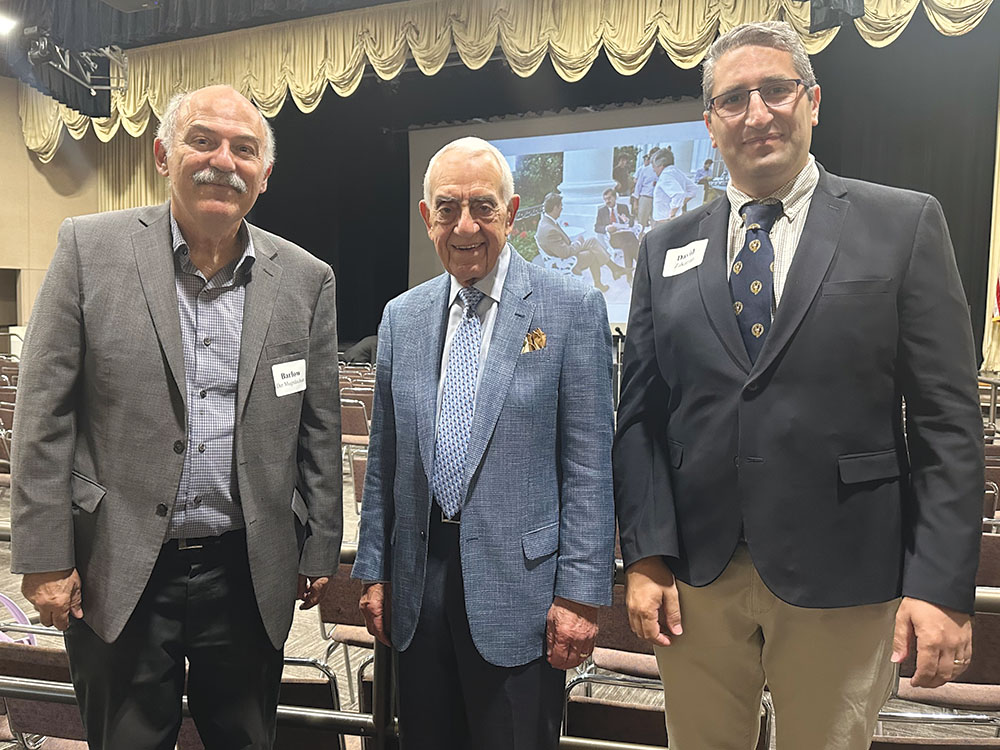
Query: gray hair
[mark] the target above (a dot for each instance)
(166, 131)
(474, 146)
(663, 158)
(774, 34)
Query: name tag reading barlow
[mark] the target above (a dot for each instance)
(681, 259)
(289, 377)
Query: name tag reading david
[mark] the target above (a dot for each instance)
(289, 377)
(681, 259)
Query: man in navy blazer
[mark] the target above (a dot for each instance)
(489, 602)
(773, 502)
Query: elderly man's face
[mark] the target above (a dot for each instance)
(467, 220)
(216, 166)
(767, 146)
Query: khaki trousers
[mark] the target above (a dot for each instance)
(828, 670)
(644, 211)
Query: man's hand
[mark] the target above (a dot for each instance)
(943, 639)
(375, 605)
(570, 630)
(649, 589)
(56, 595)
(310, 590)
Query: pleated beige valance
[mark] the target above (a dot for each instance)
(302, 57)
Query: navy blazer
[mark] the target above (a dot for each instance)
(805, 449)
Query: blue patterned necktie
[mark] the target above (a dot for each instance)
(752, 276)
(458, 404)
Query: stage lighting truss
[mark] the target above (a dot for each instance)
(81, 67)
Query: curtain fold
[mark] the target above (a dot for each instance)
(299, 59)
(991, 331)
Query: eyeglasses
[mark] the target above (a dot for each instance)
(773, 93)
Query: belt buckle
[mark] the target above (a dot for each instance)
(182, 544)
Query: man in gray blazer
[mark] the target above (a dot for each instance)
(488, 513)
(775, 515)
(176, 473)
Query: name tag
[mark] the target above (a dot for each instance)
(289, 377)
(681, 259)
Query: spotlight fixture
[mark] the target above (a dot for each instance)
(7, 24)
(70, 76)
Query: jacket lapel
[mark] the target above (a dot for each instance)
(513, 319)
(713, 281)
(155, 263)
(262, 290)
(433, 307)
(813, 256)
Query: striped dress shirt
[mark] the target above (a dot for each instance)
(796, 197)
(211, 315)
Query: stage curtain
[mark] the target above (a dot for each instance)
(127, 176)
(991, 331)
(301, 58)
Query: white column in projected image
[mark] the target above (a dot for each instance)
(586, 175)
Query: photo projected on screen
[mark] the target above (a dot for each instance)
(587, 198)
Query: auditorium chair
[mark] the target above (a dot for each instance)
(991, 503)
(353, 425)
(46, 719)
(359, 464)
(362, 394)
(338, 607)
(988, 573)
(977, 689)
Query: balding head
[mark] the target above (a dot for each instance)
(180, 105)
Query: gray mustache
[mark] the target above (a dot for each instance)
(213, 176)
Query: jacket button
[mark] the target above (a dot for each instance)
(178, 446)
(736, 461)
(423, 534)
(753, 387)
(161, 510)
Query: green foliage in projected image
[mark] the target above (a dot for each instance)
(537, 175)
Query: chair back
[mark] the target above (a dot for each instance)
(364, 395)
(985, 666)
(338, 604)
(353, 417)
(988, 573)
(359, 463)
(615, 631)
(40, 717)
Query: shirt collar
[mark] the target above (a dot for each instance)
(180, 246)
(491, 285)
(794, 194)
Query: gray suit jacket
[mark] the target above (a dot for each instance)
(538, 518)
(99, 433)
(805, 448)
(553, 239)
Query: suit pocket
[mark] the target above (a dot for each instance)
(868, 467)
(299, 507)
(87, 494)
(858, 286)
(676, 453)
(540, 542)
(288, 349)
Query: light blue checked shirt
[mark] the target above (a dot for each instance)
(211, 313)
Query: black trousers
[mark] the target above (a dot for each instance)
(199, 605)
(450, 697)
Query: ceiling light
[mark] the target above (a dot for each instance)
(6, 24)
